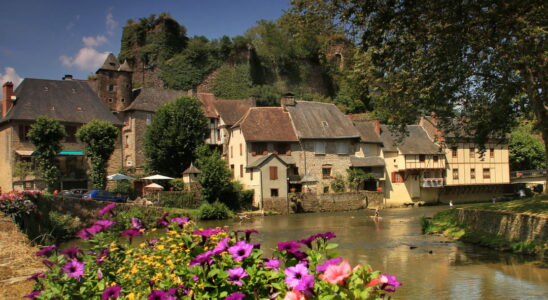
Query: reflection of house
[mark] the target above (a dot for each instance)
(73, 103)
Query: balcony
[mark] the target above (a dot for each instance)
(432, 182)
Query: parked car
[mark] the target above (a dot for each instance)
(103, 196)
(75, 193)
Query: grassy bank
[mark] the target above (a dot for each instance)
(446, 223)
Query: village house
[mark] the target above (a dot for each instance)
(74, 104)
(368, 156)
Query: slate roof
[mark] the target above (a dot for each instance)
(71, 101)
(316, 120)
(370, 161)
(263, 159)
(150, 99)
(367, 132)
(192, 170)
(231, 110)
(417, 142)
(268, 124)
(111, 63)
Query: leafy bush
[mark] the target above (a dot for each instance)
(123, 187)
(177, 184)
(16, 204)
(63, 226)
(179, 199)
(338, 184)
(215, 211)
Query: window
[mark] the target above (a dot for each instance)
(232, 171)
(251, 174)
(273, 193)
(326, 189)
(397, 177)
(342, 148)
(127, 141)
(486, 173)
(435, 157)
(273, 173)
(242, 171)
(492, 152)
(258, 149)
(472, 173)
(23, 132)
(422, 157)
(319, 147)
(110, 100)
(455, 174)
(123, 100)
(71, 134)
(149, 119)
(231, 152)
(326, 171)
(110, 88)
(282, 148)
(454, 152)
(241, 150)
(472, 152)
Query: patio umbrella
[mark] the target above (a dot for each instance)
(118, 176)
(157, 177)
(154, 187)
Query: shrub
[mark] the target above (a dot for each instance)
(338, 184)
(63, 226)
(177, 184)
(179, 199)
(215, 211)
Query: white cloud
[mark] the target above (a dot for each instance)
(111, 23)
(10, 75)
(87, 59)
(92, 42)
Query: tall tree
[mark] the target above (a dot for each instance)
(46, 135)
(526, 151)
(100, 139)
(170, 141)
(215, 176)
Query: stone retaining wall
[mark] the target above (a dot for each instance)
(309, 202)
(511, 226)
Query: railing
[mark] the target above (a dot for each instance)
(527, 173)
(432, 182)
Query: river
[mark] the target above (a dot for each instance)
(436, 269)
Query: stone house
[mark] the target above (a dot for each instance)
(368, 156)
(70, 101)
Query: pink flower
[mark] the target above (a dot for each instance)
(294, 295)
(336, 274)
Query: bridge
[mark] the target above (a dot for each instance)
(529, 177)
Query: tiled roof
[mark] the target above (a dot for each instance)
(150, 99)
(207, 100)
(417, 142)
(316, 120)
(367, 132)
(370, 161)
(267, 124)
(231, 110)
(71, 101)
(263, 159)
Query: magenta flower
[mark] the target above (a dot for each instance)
(333, 261)
(326, 236)
(84, 234)
(290, 246)
(131, 233)
(235, 275)
(297, 277)
(111, 292)
(107, 209)
(235, 296)
(33, 294)
(73, 252)
(308, 241)
(273, 264)
(163, 220)
(202, 258)
(105, 224)
(46, 251)
(74, 268)
(94, 229)
(247, 232)
(221, 246)
(240, 250)
(208, 232)
(36, 276)
(389, 282)
(48, 263)
(136, 223)
(160, 295)
(180, 221)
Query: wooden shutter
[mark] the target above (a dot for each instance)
(273, 173)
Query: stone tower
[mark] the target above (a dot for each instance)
(113, 83)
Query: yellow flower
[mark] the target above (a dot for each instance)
(153, 229)
(160, 247)
(142, 245)
(113, 284)
(138, 281)
(121, 269)
(131, 296)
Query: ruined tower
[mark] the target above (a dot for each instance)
(113, 83)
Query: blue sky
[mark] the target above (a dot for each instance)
(47, 39)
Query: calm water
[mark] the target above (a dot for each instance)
(436, 269)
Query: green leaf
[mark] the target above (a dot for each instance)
(331, 246)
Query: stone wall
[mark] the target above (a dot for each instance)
(278, 204)
(511, 226)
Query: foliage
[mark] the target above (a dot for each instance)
(100, 139)
(537, 204)
(177, 184)
(214, 211)
(16, 204)
(22, 169)
(526, 151)
(46, 135)
(213, 263)
(63, 226)
(232, 82)
(170, 141)
(215, 177)
(338, 184)
(123, 187)
(356, 177)
(266, 95)
(179, 199)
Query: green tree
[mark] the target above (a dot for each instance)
(170, 141)
(526, 151)
(232, 82)
(215, 176)
(356, 177)
(100, 140)
(46, 135)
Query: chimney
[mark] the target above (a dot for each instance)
(287, 100)
(67, 77)
(7, 92)
(377, 125)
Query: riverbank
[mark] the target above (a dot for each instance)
(17, 261)
(519, 226)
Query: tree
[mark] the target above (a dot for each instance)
(232, 82)
(526, 151)
(215, 176)
(100, 139)
(46, 135)
(170, 141)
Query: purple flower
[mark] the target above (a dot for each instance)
(84, 234)
(107, 209)
(333, 261)
(235, 296)
(180, 221)
(152, 242)
(46, 251)
(300, 256)
(136, 223)
(101, 257)
(111, 292)
(33, 294)
(308, 241)
(94, 229)
(389, 282)
(48, 263)
(272, 264)
(36, 276)
(235, 275)
(297, 277)
(240, 250)
(105, 224)
(221, 246)
(163, 220)
(131, 233)
(173, 291)
(73, 252)
(326, 236)
(160, 295)
(74, 268)
(247, 232)
(290, 246)
(195, 278)
(202, 258)
(208, 232)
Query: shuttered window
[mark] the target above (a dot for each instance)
(241, 170)
(273, 173)
(319, 147)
